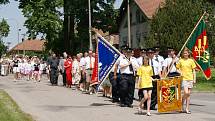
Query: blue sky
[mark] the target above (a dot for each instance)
(16, 20)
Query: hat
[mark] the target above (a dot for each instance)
(170, 49)
(129, 49)
(157, 48)
(143, 50)
(124, 47)
(150, 50)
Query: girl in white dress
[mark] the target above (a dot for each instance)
(28, 69)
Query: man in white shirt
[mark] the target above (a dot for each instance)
(169, 65)
(89, 65)
(128, 65)
(158, 57)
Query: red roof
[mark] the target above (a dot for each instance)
(32, 45)
(149, 7)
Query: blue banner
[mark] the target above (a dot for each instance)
(108, 56)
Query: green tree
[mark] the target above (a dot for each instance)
(4, 1)
(43, 17)
(103, 17)
(4, 31)
(176, 19)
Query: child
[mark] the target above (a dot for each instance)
(28, 69)
(106, 88)
(187, 66)
(36, 70)
(145, 83)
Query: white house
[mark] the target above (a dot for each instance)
(141, 12)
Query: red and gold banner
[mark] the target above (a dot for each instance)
(169, 95)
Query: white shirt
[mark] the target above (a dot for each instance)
(75, 66)
(156, 66)
(160, 59)
(167, 63)
(89, 61)
(124, 61)
(140, 61)
(82, 62)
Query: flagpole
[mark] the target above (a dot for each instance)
(179, 53)
(191, 34)
(107, 42)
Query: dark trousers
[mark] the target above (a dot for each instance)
(64, 78)
(54, 76)
(154, 93)
(115, 86)
(127, 86)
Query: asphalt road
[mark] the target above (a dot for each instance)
(48, 103)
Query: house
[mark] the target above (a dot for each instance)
(113, 39)
(35, 45)
(141, 12)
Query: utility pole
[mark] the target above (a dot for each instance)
(129, 26)
(90, 27)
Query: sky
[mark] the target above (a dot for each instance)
(16, 21)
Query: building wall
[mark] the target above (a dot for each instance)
(139, 28)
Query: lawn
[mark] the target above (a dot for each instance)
(203, 84)
(9, 111)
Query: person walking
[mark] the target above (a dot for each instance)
(187, 66)
(127, 64)
(89, 62)
(68, 70)
(145, 84)
(62, 69)
(53, 67)
(157, 68)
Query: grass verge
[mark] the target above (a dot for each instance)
(9, 110)
(203, 84)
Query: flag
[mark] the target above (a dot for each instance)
(107, 55)
(198, 44)
(95, 69)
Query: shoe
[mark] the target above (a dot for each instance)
(115, 101)
(188, 112)
(148, 114)
(140, 110)
(130, 106)
(122, 105)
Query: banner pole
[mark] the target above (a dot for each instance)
(191, 34)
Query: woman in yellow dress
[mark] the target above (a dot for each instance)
(145, 83)
(187, 66)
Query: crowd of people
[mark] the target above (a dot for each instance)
(76, 72)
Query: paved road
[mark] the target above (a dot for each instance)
(48, 103)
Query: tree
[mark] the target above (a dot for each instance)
(4, 1)
(176, 19)
(103, 17)
(4, 31)
(43, 17)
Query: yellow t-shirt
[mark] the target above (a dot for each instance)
(145, 73)
(186, 67)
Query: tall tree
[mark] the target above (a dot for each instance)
(103, 17)
(44, 17)
(176, 19)
(4, 31)
(4, 1)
